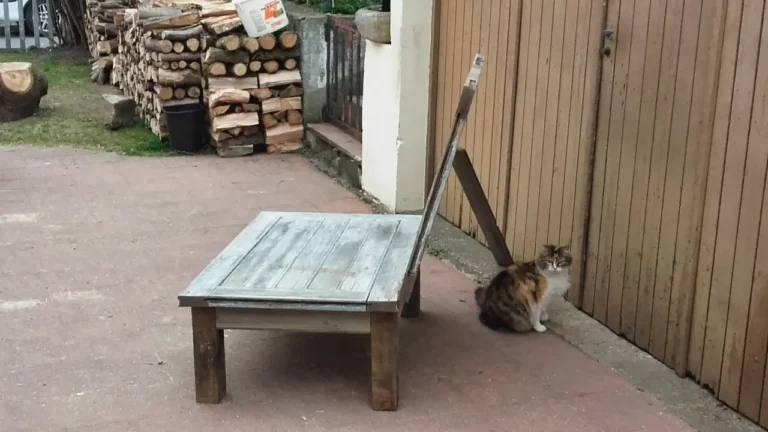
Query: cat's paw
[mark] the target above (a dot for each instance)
(544, 316)
(539, 328)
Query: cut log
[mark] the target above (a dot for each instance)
(181, 35)
(229, 57)
(270, 121)
(271, 66)
(295, 118)
(281, 104)
(217, 69)
(179, 93)
(174, 65)
(182, 64)
(291, 91)
(178, 47)
(194, 66)
(144, 13)
(220, 110)
(21, 88)
(104, 48)
(290, 64)
(251, 130)
(176, 57)
(239, 69)
(184, 20)
(236, 131)
(229, 96)
(281, 115)
(164, 92)
(280, 78)
(219, 10)
(193, 92)
(224, 25)
(157, 45)
(267, 42)
(178, 78)
(254, 66)
(289, 39)
(275, 54)
(249, 44)
(230, 121)
(261, 93)
(106, 29)
(193, 44)
(243, 83)
(284, 147)
(250, 107)
(219, 135)
(229, 42)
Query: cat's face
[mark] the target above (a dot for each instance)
(554, 258)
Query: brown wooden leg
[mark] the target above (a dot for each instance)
(384, 338)
(208, 342)
(412, 306)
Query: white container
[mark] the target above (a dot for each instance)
(261, 17)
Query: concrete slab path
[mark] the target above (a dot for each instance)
(95, 247)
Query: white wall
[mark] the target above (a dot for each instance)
(396, 108)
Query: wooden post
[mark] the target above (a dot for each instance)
(208, 342)
(412, 306)
(384, 340)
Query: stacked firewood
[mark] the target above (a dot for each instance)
(103, 20)
(160, 62)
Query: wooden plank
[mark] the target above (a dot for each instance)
(225, 262)
(623, 296)
(441, 178)
(385, 289)
(481, 208)
(325, 307)
(209, 358)
(676, 157)
(409, 302)
(754, 171)
(510, 50)
(560, 139)
(595, 293)
(280, 245)
(715, 174)
(526, 144)
(384, 370)
(710, 36)
(659, 153)
(730, 201)
(753, 376)
(635, 301)
(443, 91)
(520, 111)
(227, 83)
(292, 320)
(546, 175)
(608, 291)
(373, 253)
(458, 32)
(268, 294)
(530, 247)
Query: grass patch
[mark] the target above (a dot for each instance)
(72, 113)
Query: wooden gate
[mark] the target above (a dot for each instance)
(636, 131)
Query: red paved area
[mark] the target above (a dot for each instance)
(95, 248)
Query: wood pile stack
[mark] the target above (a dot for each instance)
(160, 61)
(255, 89)
(103, 20)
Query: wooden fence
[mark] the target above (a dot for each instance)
(637, 132)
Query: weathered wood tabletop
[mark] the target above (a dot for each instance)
(312, 258)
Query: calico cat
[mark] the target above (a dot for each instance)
(516, 299)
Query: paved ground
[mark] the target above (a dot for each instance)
(29, 42)
(96, 247)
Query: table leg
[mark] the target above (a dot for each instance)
(412, 306)
(208, 342)
(384, 340)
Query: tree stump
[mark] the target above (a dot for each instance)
(21, 88)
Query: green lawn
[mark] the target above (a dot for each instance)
(72, 113)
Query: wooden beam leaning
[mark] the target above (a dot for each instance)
(479, 204)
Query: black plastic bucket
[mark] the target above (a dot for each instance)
(186, 127)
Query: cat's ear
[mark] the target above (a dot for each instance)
(565, 248)
(548, 249)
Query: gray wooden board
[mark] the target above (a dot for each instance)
(311, 258)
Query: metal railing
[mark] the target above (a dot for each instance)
(30, 19)
(346, 52)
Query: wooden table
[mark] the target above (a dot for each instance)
(314, 272)
(321, 272)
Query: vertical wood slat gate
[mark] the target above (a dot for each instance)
(646, 150)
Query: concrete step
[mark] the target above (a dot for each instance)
(342, 153)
